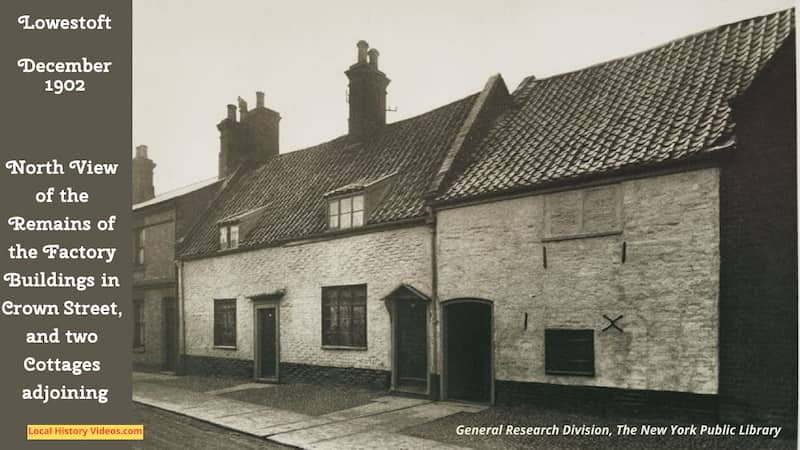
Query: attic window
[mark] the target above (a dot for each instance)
(233, 229)
(228, 236)
(346, 212)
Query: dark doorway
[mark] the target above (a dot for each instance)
(170, 318)
(468, 353)
(267, 342)
(411, 340)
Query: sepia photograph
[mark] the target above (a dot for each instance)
(475, 225)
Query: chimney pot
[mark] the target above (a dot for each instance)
(142, 176)
(141, 151)
(362, 51)
(367, 94)
(242, 107)
(250, 141)
(373, 58)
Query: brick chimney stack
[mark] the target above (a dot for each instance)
(142, 168)
(367, 93)
(251, 140)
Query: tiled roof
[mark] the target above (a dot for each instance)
(668, 103)
(357, 185)
(293, 185)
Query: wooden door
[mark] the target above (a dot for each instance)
(267, 342)
(468, 356)
(411, 340)
(170, 318)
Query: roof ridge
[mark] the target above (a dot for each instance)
(393, 124)
(526, 80)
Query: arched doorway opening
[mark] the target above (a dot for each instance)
(467, 356)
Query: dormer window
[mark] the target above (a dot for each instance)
(346, 212)
(235, 228)
(350, 205)
(228, 236)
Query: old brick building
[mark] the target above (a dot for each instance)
(157, 222)
(295, 268)
(605, 237)
(637, 240)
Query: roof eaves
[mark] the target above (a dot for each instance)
(711, 155)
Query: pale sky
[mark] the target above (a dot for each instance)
(193, 57)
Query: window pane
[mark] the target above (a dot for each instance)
(225, 322)
(333, 208)
(345, 220)
(139, 246)
(234, 236)
(223, 237)
(358, 203)
(346, 205)
(344, 316)
(358, 218)
(138, 323)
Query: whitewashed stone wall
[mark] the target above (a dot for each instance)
(381, 260)
(667, 288)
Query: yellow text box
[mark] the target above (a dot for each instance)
(85, 432)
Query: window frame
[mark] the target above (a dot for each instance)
(326, 344)
(139, 240)
(554, 343)
(351, 213)
(218, 333)
(138, 325)
(227, 232)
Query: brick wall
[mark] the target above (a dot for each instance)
(667, 289)
(159, 253)
(381, 260)
(153, 281)
(758, 298)
(315, 374)
(151, 358)
(659, 406)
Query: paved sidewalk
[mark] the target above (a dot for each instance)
(371, 426)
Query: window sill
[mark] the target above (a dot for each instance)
(569, 373)
(594, 234)
(339, 229)
(138, 350)
(225, 347)
(342, 347)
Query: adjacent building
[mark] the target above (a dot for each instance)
(625, 234)
(619, 236)
(158, 224)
